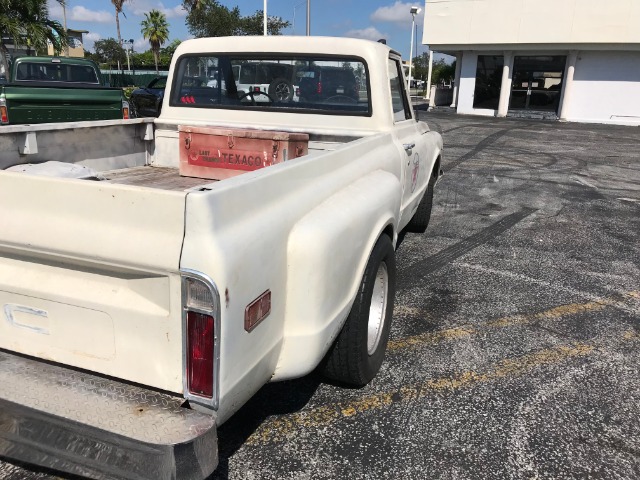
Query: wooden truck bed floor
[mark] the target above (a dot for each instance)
(168, 178)
(165, 178)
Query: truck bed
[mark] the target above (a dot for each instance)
(165, 178)
(168, 178)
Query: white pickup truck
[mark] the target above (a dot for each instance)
(154, 274)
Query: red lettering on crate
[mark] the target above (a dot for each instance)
(237, 160)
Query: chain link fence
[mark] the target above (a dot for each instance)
(116, 78)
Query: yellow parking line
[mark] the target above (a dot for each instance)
(431, 337)
(280, 428)
(551, 314)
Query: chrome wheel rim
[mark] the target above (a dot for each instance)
(282, 91)
(378, 308)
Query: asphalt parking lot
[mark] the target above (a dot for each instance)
(515, 346)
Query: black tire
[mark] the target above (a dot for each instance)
(356, 355)
(133, 113)
(420, 220)
(281, 90)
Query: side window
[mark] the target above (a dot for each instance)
(399, 102)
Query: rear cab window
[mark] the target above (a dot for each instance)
(56, 72)
(334, 85)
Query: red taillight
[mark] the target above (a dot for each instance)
(319, 87)
(4, 114)
(200, 341)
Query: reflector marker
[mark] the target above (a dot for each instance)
(257, 311)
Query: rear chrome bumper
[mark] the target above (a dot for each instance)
(86, 425)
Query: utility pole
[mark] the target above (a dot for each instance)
(308, 18)
(64, 17)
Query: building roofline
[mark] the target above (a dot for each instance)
(515, 47)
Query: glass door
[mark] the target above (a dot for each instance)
(537, 82)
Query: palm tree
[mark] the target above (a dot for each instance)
(27, 22)
(156, 29)
(119, 4)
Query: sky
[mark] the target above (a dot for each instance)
(370, 19)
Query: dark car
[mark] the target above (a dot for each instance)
(330, 84)
(147, 101)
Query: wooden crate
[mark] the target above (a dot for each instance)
(219, 153)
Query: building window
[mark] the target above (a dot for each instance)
(488, 81)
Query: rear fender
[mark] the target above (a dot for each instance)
(327, 253)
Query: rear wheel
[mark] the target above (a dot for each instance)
(281, 90)
(358, 352)
(420, 220)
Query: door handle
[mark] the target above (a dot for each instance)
(409, 146)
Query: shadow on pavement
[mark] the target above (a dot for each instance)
(280, 398)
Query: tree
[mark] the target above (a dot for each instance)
(254, 24)
(420, 66)
(170, 49)
(118, 4)
(156, 29)
(208, 18)
(27, 22)
(110, 51)
(93, 56)
(441, 71)
(144, 59)
(191, 4)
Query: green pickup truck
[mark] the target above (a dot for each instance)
(58, 89)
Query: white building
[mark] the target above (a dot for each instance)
(578, 60)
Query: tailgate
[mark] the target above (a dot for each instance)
(89, 276)
(50, 104)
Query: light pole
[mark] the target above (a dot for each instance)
(126, 51)
(414, 11)
(133, 72)
(264, 27)
(308, 2)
